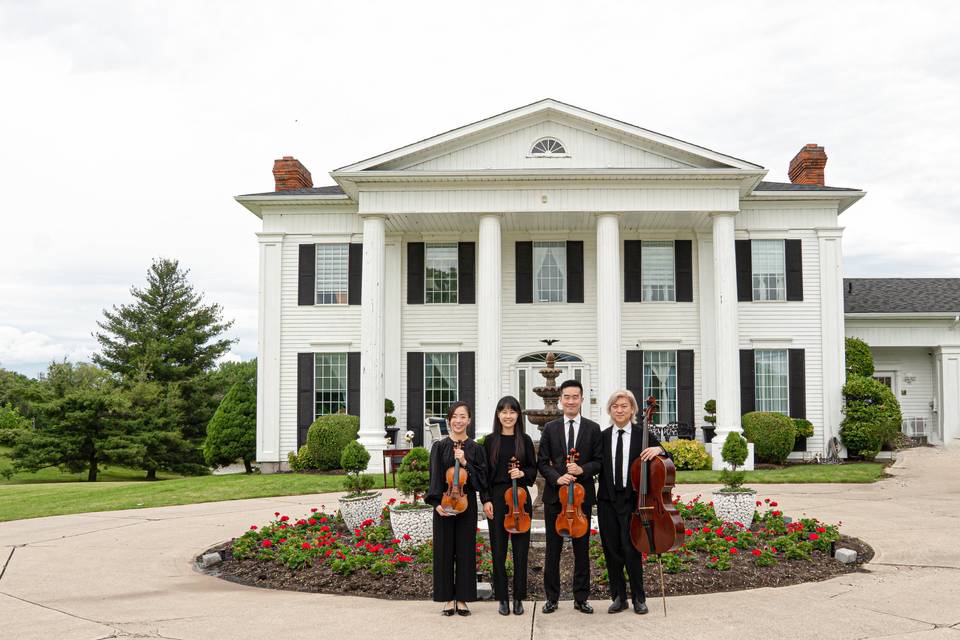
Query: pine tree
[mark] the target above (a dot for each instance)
(232, 432)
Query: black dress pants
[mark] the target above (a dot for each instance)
(455, 555)
(581, 557)
(520, 544)
(618, 550)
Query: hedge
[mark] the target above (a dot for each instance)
(327, 437)
(688, 455)
(772, 435)
(871, 417)
(859, 358)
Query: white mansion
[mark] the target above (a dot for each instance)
(437, 271)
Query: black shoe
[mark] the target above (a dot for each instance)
(617, 606)
(639, 606)
(549, 606)
(449, 612)
(583, 607)
(518, 607)
(504, 609)
(464, 611)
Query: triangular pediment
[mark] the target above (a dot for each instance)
(589, 141)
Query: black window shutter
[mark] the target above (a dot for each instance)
(793, 257)
(748, 392)
(524, 271)
(466, 272)
(744, 271)
(685, 386)
(305, 399)
(632, 271)
(574, 270)
(355, 273)
(798, 383)
(466, 374)
(307, 275)
(683, 270)
(634, 377)
(353, 383)
(415, 273)
(415, 396)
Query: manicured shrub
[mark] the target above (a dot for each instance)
(772, 435)
(688, 455)
(354, 461)
(871, 417)
(413, 477)
(859, 358)
(734, 453)
(327, 437)
(232, 431)
(710, 406)
(804, 427)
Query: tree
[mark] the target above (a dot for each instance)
(232, 432)
(84, 424)
(12, 424)
(21, 392)
(220, 380)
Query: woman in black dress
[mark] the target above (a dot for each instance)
(508, 441)
(455, 536)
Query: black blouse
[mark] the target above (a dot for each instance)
(499, 475)
(441, 459)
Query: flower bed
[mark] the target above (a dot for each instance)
(318, 553)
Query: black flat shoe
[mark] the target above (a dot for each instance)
(448, 612)
(549, 606)
(639, 607)
(504, 609)
(463, 612)
(583, 607)
(518, 607)
(617, 606)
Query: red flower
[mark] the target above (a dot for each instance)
(366, 523)
(284, 518)
(773, 549)
(266, 543)
(389, 550)
(688, 532)
(311, 522)
(706, 530)
(766, 499)
(327, 553)
(392, 501)
(406, 536)
(282, 540)
(718, 531)
(305, 545)
(773, 504)
(778, 513)
(403, 558)
(593, 532)
(713, 559)
(395, 541)
(282, 527)
(756, 552)
(729, 538)
(323, 519)
(313, 509)
(821, 529)
(644, 556)
(276, 513)
(814, 536)
(758, 503)
(324, 529)
(733, 551)
(253, 527)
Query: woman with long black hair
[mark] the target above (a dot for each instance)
(508, 441)
(455, 535)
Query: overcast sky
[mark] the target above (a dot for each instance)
(128, 126)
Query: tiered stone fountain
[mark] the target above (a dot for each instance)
(550, 394)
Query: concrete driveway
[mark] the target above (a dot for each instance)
(129, 574)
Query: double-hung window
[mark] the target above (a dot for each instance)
(657, 271)
(333, 270)
(330, 383)
(772, 380)
(440, 273)
(440, 383)
(549, 271)
(660, 381)
(769, 272)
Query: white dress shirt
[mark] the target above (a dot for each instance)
(576, 429)
(615, 434)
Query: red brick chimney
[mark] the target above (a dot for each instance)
(289, 173)
(808, 165)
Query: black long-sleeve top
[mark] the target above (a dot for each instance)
(499, 474)
(441, 459)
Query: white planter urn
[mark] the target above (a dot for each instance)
(735, 506)
(417, 523)
(365, 507)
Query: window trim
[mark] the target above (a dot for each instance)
(316, 274)
(456, 279)
(555, 244)
(673, 271)
(786, 376)
(346, 381)
(563, 154)
(676, 390)
(753, 270)
(456, 364)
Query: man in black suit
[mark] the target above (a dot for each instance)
(572, 431)
(622, 443)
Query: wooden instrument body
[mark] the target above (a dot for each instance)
(454, 499)
(516, 520)
(571, 522)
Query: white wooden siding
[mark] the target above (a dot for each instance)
(903, 332)
(915, 397)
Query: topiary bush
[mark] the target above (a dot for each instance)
(871, 417)
(859, 358)
(413, 477)
(232, 431)
(327, 437)
(772, 435)
(734, 453)
(354, 461)
(710, 406)
(688, 455)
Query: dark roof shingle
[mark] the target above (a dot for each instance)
(901, 295)
(789, 186)
(329, 190)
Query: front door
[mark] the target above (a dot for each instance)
(527, 375)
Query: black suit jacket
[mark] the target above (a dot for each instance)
(552, 459)
(606, 491)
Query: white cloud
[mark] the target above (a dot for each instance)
(19, 347)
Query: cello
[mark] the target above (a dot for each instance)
(655, 526)
(516, 519)
(571, 523)
(454, 500)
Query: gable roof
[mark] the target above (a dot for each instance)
(328, 190)
(789, 186)
(901, 295)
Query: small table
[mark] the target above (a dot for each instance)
(394, 456)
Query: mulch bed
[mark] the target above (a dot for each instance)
(414, 583)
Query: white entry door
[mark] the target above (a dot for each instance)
(527, 375)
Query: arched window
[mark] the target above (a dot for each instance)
(542, 357)
(548, 147)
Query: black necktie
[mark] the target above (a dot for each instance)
(618, 460)
(570, 443)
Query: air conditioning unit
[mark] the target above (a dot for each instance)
(914, 427)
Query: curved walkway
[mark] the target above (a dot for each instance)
(129, 574)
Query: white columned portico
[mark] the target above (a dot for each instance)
(608, 310)
(727, 339)
(832, 330)
(268, 352)
(948, 377)
(489, 302)
(372, 340)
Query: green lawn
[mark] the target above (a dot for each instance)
(797, 474)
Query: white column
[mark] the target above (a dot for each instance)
(725, 314)
(372, 340)
(708, 324)
(609, 296)
(393, 309)
(948, 362)
(268, 352)
(489, 302)
(832, 330)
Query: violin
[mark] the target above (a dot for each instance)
(516, 519)
(454, 500)
(571, 523)
(655, 526)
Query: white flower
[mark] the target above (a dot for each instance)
(408, 436)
